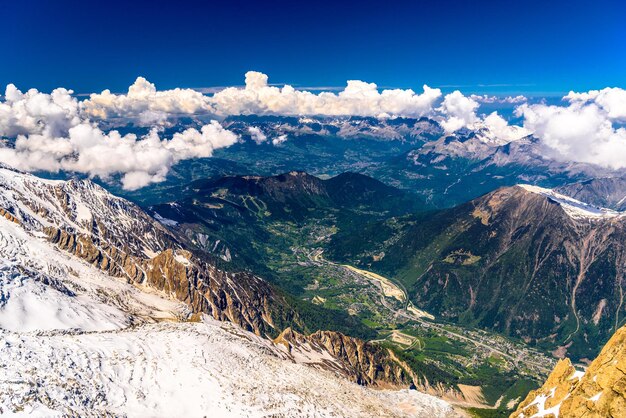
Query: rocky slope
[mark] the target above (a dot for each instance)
(524, 261)
(609, 192)
(599, 391)
(362, 362)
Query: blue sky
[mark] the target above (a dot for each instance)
(531, 47)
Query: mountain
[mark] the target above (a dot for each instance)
(414, 154)
(103, 311)
(458, 167)
(231, 216)
(524, 261)
(608, 192)
(296, 195)
(597, 391)
(347, 127)
(411, 154)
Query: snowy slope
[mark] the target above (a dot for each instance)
(573, 207)
(182, 370)
(79, 206)
(75, 341)
(42, 288)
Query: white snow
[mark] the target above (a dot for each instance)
(540, 402)
(165, 221)
(183, 369)
(574, 208)
(42, 288)
(578, 374)
(596, 397)
(182, 259)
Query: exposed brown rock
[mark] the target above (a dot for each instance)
(600, 392)
(362, 362)
(240, 298)
(9, 216)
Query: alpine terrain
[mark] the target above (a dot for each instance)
(104, 312)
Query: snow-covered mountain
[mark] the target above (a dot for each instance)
(102, 312)
(383, 129)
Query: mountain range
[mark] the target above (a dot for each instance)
(354, 253)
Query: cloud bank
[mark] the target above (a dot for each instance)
(589, 129)
(56, 131)
(89, 150)
(357, 99)
(144, 105)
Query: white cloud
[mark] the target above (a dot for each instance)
(460, 110)
(499, 99)
(144, 105)
(584, 130)
(357, 99)
(611, 100)
(37, 113)
(500, 131)
(141, 161)
(279, 140)
(257, 135)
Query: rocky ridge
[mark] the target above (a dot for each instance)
(599, 391)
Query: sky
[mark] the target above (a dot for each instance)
(497, 47)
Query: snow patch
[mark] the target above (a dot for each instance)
(165, 221)
(596, 397)
(574, 208)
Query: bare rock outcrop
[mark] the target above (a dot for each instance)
(599, 392)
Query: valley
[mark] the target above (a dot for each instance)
(446, 357)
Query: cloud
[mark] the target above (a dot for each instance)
(585, 130)
(56, 131)
(460, 110)
(37, 113)
(611, 100)
(257, 135)
(144, 105)
(279, 140)
(140, 160)
(500, 129)
(358, 98)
